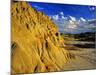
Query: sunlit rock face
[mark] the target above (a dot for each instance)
(36, 42)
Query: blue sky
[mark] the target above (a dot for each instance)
(69, 13)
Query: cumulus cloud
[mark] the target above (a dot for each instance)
(75, 27)
(59, 16)
(82, 19)
(61, 13)
(72, 18)
(63, 17)
(69, 24)
(55, 17)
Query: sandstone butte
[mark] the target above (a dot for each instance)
(36, 44)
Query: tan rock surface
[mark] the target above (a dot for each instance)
(36, 42)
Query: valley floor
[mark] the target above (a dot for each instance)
(85, 55)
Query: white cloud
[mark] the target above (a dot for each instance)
(82, 19)
(61, 13)
(70, 21)
(92, 8)
(72, 18)
(72, 24)
(60, 16)
(64, 17)
(69, 24)
(55, 17)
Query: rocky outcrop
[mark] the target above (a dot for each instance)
(36, 42)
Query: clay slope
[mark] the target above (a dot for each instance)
(36, 42)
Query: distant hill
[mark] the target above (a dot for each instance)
(88, 36)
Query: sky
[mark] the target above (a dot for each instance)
(69, 18)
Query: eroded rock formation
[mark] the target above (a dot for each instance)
(36, 42)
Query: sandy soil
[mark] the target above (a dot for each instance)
(85, 58)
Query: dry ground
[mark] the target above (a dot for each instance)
(85, 58)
